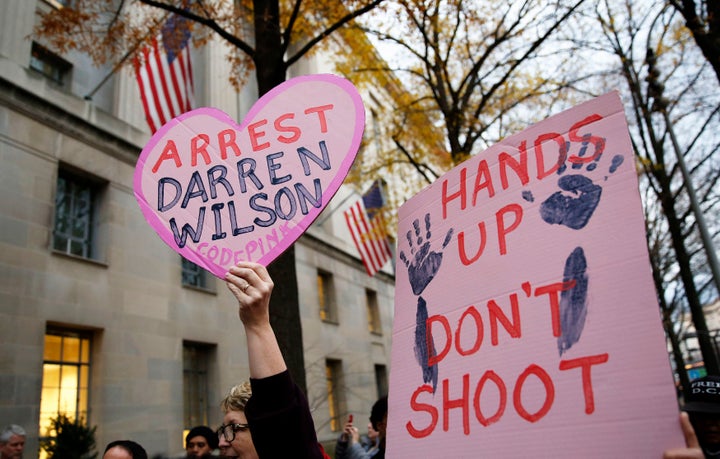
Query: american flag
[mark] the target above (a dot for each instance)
(164, 74)
(368, 230)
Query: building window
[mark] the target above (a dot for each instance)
(195, 276)
(50, 65)
(373, 312)
(333, 376)
(76, 201)
(381, 380)
(196, 357)
(66, 376)
(326, 297)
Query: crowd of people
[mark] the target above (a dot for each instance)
(201, 442)
(269, 416)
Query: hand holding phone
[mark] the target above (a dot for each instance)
(347, 430)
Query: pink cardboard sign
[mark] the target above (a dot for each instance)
(219, 193)
(526, 321)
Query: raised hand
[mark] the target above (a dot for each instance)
(425, 263)
(251, 284)
(421, 270)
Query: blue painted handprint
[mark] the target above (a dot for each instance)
(576, 203)
(421, 270)
(574, 210)
(573, 207)
(573, 302)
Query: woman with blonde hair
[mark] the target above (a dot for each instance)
(269, 416)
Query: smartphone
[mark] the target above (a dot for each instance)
(344, 436)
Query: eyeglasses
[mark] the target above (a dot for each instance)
(228, 431)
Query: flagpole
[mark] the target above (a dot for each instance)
(325, 218)
(117, 66)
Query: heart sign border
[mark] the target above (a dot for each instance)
(218, 192)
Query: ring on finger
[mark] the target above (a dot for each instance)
(245, 287)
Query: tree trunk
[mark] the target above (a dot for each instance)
(285, 314)
(710, 358)
(677, 356)
(269, 60)
(285, 302)
(706, 34)
(667, 311)
(667, 202)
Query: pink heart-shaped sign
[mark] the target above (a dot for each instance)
(218, 192)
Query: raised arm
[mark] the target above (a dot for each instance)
(252, 286)
(278, 413)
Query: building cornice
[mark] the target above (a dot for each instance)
(330, 250)
(38, 109)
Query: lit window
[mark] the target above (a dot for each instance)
(66, 377)
(381, 380)
(75, 215)
(373, 312)
(196, 357)
(333, 376)
(326, 297)
(49, 64)
(195, 276)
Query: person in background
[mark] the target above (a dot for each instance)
(701, 420)
(12, 442)
(702, 405)
(372, 439)
(369, 443)
(124, 449)
(200, 442)
(348, 445)
(268, 417)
